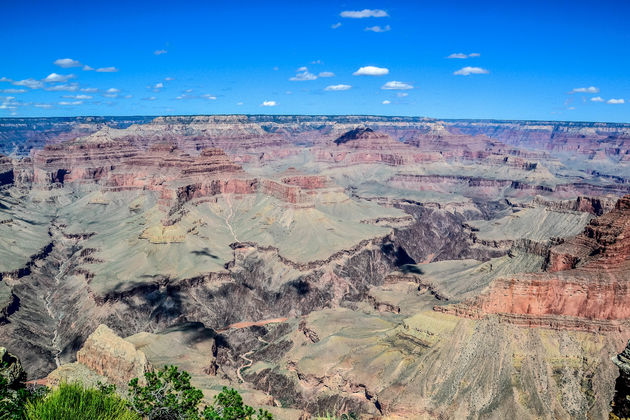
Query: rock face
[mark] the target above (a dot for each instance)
(11, 368)
(621, 401)
(300, 258)
(586, 285)
(605, 243)
(107, 354)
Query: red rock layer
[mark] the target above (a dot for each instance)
(120, 165)
(589, 278)
(366, 146)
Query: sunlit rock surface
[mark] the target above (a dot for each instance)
(386, 266)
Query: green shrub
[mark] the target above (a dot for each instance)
(168, 395)
(228, 405)
(14, 393)
(73, 401)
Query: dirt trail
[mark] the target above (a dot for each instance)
(248, 362)
(229, 216)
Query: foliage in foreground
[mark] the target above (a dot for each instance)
(14, 394)
(228, 405)
(168, 394)
(73, 401)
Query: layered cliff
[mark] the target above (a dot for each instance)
(586, 286)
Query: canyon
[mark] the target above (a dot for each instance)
(324, 264)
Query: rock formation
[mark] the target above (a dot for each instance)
(107, 355)
(587, 279)
(621, 401)
(299, 259)
(11, 368)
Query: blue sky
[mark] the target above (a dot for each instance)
(546, 60)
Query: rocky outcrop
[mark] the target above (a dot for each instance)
(604, 243)
(11, 368)
(621, 400)
(108, 355)
(6, 171)
(364, 145)
(593, 205)
(587, 279)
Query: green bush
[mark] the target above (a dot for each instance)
(228, 405)
(14, 393)
(168, 395)
(73, 401)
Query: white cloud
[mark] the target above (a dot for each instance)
(72, 87)
(386, 102)
(87, 68)
(9, 103)
(169, 79)
(128, 96)
(378, 28)
(188, 90)
(371, 71)
(67, 63)
(159, 85)
(70, 103)
(303, 75)
(150, 98)
(326, 74)
(365, 13)
(107, 70)
(58, 78)
(208, 96)
(615, 101)
(90, 90)
(78, 96)
(239, 103)
(395, 85)
(591, 89)
(470, 70)
(335, 25)
(597, 99)
(159, 52)
(268, 103)
(402, 94)
(338, 87)
(13, 90)
(43, 106)
(111, 93)
(30, 83)
(464, 56)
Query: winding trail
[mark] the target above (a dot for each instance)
(229, 216)
(248, 362)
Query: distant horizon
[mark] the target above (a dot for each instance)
(489, 60)
(316, 115)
